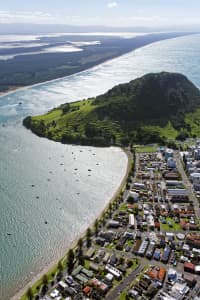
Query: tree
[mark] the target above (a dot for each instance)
(60, 266)
(184, 159)
(80, 246)
(81, 260)
(110, 209)
(54, 123)
(44, 289)
(29, 293)
(129, 263)
(88, 237)
(182, 136)
(135, 210)
(121, 199)
(59, 275)
(96, 226)
(91, 130)
(116, 204)
(121, 260)
(104, 219)
(130, 200)
(80, 243)
(44, 279)
(70, 260)
(44, 284)
(66, 108)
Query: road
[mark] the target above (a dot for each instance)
(116, 291)
(114, 294)
(126, 192)
(187, 184)
(137, 161)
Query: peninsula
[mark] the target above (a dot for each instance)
(154, 108)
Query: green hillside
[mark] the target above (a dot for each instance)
(153, 108)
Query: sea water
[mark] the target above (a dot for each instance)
(48, 195)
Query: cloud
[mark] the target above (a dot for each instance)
(139, 19)
(112, 4)
(24, 16)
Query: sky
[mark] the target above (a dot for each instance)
(119, 13)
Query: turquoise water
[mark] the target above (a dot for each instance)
(45, 181)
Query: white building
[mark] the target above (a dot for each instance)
(196, 153)
(150, 221)
(171, 163)
(169, 153)
(115, 272)
(131, 220)
(195, 178)
(134, 195)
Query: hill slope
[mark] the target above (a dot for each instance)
(144, 110)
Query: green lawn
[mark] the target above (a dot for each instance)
(166, 227)
(110, 246)
(123, 295)
(130, 243)
(146, 149)
(56, 124)
(87, 264)
(123, 207)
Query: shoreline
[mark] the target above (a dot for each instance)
(53, 263)
(48, 267)
(21, 88)
(10, 91)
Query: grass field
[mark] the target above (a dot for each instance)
(145, 148)
(123, 295)
(123, 207)
(174, 227)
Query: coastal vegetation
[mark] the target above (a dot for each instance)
(155, 108)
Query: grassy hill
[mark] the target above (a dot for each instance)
(153, 108)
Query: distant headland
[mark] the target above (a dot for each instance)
(44, 62)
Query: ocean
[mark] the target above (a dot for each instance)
(45, 182)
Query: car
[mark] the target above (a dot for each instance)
(69, 280)
(127, 248)
(175, 263)
(170, 224)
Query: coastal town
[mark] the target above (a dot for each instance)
(146, 244)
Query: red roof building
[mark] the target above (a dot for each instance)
(189, 267)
